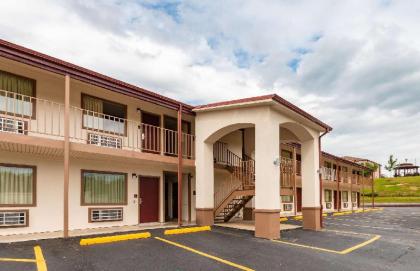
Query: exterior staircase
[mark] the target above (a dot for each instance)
(234, 195)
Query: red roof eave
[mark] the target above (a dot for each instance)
(30, 57)
(273, 97)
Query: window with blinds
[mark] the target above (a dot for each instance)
(16, 95)
(17, 185)
(104, 188)
(328, 195)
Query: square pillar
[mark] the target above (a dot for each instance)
(311, 209)
(204, 183)
(267, 177)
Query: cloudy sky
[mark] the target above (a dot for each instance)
(354, 64)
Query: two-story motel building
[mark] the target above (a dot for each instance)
(80, 150)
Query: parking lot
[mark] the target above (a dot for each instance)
(380, 240)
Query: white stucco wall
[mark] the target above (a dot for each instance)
(48, 213)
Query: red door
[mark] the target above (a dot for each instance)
(299, 200)
(150, 133)
(149, 199)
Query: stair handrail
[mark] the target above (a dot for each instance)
(226, 190)
(222, 155)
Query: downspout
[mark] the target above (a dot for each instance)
(320, 177)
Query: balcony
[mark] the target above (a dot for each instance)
(328, 174)
(25, 115)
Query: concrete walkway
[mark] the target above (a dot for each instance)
(249, 225)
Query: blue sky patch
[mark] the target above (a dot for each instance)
(294, 63)
(168, 7)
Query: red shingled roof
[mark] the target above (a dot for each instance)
(273, 97)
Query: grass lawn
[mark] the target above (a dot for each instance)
(393, 200)
(400, 189)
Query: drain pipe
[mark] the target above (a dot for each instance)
(320, 177)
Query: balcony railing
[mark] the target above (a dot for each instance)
(20, 114)
(127, 134)
(286, 172)
(328, 174)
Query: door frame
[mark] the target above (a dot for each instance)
(188, 188)
(159, 197)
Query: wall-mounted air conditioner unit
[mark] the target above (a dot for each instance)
(10, 125)
(14, 218)
(105, 214)
(105, 141)
(287, 207)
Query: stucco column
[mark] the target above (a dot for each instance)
(267, 178)
(204, 183)
(311, 209)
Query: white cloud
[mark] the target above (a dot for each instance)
(357, 62)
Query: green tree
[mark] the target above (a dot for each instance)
(392, 163)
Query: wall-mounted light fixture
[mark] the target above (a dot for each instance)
(276, 162)
(138, 110)
(134, 176)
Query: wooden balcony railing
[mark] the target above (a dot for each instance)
(286, 172)
(20, 114)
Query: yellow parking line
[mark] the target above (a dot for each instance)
(40, 261)
(17, 260)
(341, 252)
(113, 238)
(187, 230)
(346, 251)
(238, 266)
(283, 219)
(305, 246)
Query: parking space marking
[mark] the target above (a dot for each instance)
(17, 260)
(340, 252)
(39, 259)
(238, 266)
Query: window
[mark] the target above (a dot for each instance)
(354, 196)
(286, 199)
(328, 195)
(345, 195)
(103, 115)
(104, 188)
(17, 185)
(327, 164)
(16, 94)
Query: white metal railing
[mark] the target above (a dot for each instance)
(127, 134)
(328, 174)
(23, 114)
